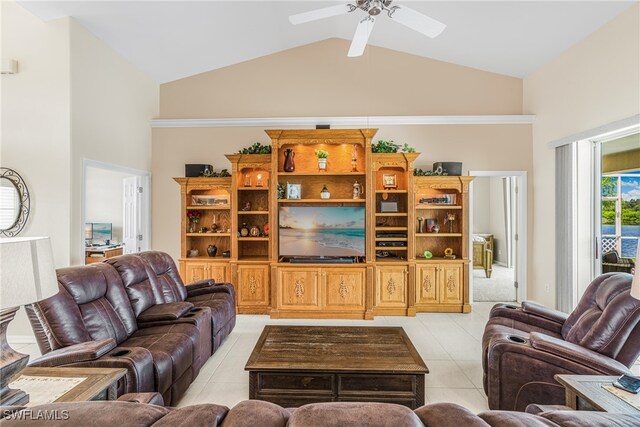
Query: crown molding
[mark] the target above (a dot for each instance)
(358, 121)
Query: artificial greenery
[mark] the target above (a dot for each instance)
(282, 190)
(383, 146)
(256, 148)
(426, 172)
(322, 154)
(213, 174)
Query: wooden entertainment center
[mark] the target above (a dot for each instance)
(392, 278)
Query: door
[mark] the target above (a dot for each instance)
(253, 285)
(426, 284)
(450, 281)
(131, 223)
(196, 271)
(391, 289)
(344, 288)
(299, 288)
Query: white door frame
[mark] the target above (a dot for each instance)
(145, 209)
(521, 179)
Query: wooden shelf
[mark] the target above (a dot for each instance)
(217, 258)
(209, 207)
(253, 239)
(391, 191)
(359, 201)
(321, 173)
(438, 234)
(391, 239)
(253, 212)
(253, 188)
(382, 228)
(448, 207)
(392, 214)
(253, 259)
(391, 248)
(208, 234)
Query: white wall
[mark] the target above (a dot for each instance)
(72, 98)
(481, 223)
(497, 220)
(103, 203)
(592, 84)
(113, 103)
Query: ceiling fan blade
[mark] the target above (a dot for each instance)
(361, 37)
(325, 12)
(416, 21)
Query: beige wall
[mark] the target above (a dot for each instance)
(72, 98)
(592, 84)
(112, 104)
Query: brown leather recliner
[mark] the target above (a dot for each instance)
(524, 347)
(96, 320)
(219, 298)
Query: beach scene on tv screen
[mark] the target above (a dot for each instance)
(321, 231)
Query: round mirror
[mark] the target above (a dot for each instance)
(14, 203)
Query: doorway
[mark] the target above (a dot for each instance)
(498, 238)
(115, 210)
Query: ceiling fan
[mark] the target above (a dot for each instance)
(401, 14)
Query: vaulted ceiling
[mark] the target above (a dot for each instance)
(170, 40)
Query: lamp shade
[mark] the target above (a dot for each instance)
(27, 272)
(635, 286)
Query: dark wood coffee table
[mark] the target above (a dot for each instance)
(295, 365)
(581, 389)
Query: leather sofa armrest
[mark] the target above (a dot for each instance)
(86, 351)
(217, 288)
(517, 314)
(206, 414)
(168, 311)
(206, 283)
(581, 355)
(541, 311)
(152, 398)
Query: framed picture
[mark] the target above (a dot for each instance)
(294, 191)
(389, 181)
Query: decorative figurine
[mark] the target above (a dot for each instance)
(354, 160)
(324, 194)
(259, 182)
(266, 229)
(450, 218)
(357, 190)
(247, 179)
(247, 206)
(420, 220)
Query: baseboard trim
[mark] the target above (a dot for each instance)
(21, 339)
(357, 121)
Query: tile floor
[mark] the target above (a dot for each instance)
(448, 343)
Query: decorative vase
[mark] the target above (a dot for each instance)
(420, 219)
(214, 226)
(212, 250)
(193, 225)
(322, 164)
(289, 165)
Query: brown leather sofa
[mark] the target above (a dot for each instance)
(121, 314)
(524, 347)
(256, 413)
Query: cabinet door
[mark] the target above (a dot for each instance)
(298, 288)
(451, 283)
(196, 271)
(344, 288)
(426, 284)
(217, 272)
(253, 285)
(391, 286)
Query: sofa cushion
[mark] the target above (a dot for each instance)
(204, 415)
(513, 419)
(250, 413)
(135, 276)
(448, 415)
(166, 274)
(340, 414)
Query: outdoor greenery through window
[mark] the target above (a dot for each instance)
(621, 213)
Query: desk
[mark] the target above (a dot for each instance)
(99, 383)
(588, 388)
(103, 253)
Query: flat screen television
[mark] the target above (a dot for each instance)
(326, 231)
(98, 232)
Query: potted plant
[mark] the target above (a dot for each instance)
(322, 159)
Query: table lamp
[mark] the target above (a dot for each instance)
(635, 285)
(27, 275)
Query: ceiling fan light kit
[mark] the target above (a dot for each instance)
(403, 15)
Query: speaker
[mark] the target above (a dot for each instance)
(450, 168)
(196, 170)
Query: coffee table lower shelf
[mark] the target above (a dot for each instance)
(296, 389)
